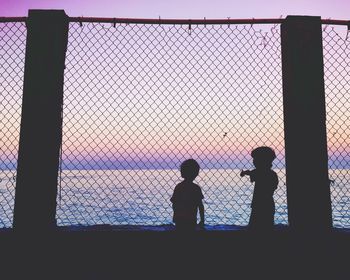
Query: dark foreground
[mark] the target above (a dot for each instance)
(148, 254)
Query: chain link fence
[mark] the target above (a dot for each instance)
(336, 44)
(12, 55)
(141, 98)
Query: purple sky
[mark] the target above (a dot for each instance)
(335, 9)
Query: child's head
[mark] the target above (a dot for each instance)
(263, 157)
(189, 169)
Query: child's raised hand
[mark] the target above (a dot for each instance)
(245, 172)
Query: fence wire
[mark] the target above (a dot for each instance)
(140, 99)
(336, 44)
(12, 54)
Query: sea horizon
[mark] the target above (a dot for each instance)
(142, 196)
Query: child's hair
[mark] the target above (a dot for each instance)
(263, 154)
(189, 169)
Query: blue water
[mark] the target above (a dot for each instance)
(141, 197)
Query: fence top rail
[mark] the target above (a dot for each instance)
(197, 21)
(176, 21)
(179, 21)
(13, 19)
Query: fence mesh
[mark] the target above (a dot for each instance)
(336, 44)
(140, 99)
(12, 54)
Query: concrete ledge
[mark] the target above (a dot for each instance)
(104, 252)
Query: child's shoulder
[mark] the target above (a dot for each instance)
(179, 185)
(195, 185)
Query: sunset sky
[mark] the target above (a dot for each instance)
(113, 112)
(335, 9)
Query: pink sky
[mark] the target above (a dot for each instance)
(335, 9)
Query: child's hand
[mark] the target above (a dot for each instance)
(245, 172)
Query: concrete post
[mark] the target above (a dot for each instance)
(41, 123)
(308, 192)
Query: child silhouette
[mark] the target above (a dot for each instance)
(266, 181)
(187, 198)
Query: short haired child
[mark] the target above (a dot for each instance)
(187, 198)
(266, 181)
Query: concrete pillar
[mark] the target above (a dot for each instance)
(308, 192)
(41, 123)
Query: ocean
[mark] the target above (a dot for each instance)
(142, 197)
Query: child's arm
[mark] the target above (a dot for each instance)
(201, 213)
(250, 173)
(245, 172)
